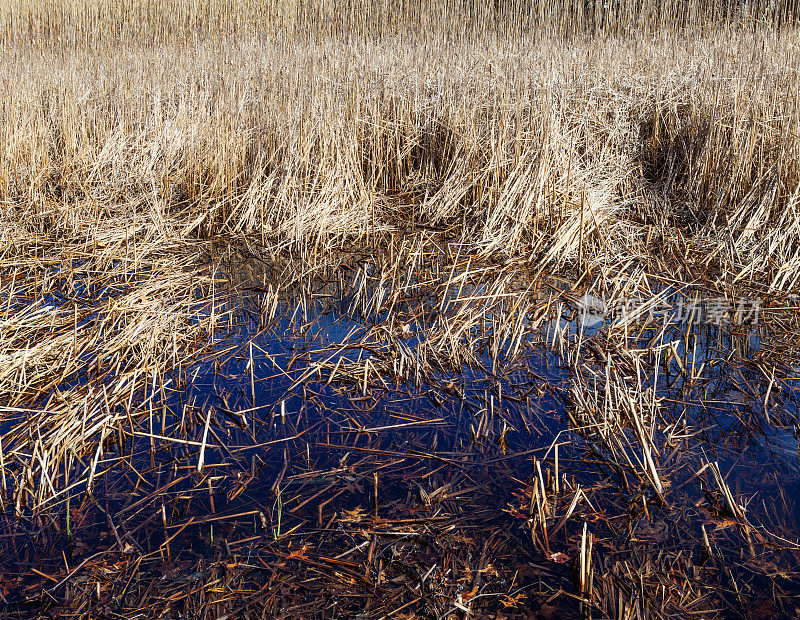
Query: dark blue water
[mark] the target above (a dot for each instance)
(283, 426)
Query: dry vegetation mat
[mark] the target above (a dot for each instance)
(316, 310)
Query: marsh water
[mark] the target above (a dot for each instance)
(408, 444)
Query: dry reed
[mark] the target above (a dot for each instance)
(475, 152)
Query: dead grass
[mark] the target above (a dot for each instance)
(674, 145)
(467, 171)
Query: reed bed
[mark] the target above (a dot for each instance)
(652, 145)
(291, 302)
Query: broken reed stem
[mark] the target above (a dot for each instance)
(252, 378)
(3, 467)
(201, 457)
(375, 491)
(556, 480)
(585, 574)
